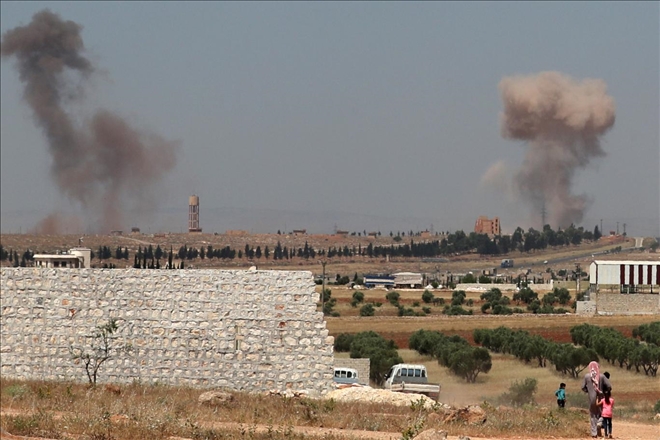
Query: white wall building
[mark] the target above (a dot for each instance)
(625, 276)
(74, 258)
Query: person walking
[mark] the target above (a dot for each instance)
(561, 395)
(594, 384)
(606, 404)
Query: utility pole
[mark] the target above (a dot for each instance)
(624, 229)
(617, 228)
(578, 273)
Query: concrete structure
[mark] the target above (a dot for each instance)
(362, 365)
(74, 258)
(193, 214)
(618, 304)
(408, 280)
(624, 276)
(485, 225)
(243, 330)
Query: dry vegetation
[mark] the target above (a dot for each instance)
(64, 410)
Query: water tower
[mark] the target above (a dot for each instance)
(193, 214)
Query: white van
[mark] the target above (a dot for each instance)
(409, 373)
(411, 378)
(345, 375)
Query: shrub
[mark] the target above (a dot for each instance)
(406, 311)
(367, 310)
(343, 342)
(438, 301)
(427, 296)
(457, 297)
(426, 310)
(456, 310)
(416, 304)
(103, 347)
(382, 354)
(358, 297)
(435, 284)
(520, 393)
(393, 297)
(656, 407)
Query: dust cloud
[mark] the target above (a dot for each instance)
(561, 121)
(103, 163)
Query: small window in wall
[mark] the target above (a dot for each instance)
(63, 263)
(418, 372)
(56, 264)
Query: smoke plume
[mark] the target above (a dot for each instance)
(561, 121)
(103, 163)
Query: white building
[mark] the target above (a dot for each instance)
(74, 258)
(408, 280)
(625, 276)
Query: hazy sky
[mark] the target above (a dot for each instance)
(376, 116)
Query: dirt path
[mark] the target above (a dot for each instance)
(623, 430)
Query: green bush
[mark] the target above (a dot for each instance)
(343, 342)
(456, 310)
(427, 296)
(520, 393)
(415, 304)
(358, 297)
(393, 297)
(367, 310)
(426, 310)
(656, 408)
(457, 297)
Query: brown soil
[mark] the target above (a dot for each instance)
(623, 429)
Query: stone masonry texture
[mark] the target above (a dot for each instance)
(241, 330)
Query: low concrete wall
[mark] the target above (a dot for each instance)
(627, 304)
(587, 308)
(362, 365)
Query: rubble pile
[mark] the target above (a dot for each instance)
(372, 395)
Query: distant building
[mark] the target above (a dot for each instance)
(342, 233)
(408, 280)
(485, 225)
(193, 214)
(625, 276)
(135, 230)
(371, 281)
(299, 231)
(75, 258)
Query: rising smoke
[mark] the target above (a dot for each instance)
(561, 121)
(103, 163)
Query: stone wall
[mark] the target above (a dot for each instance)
(585, 308)
(362, 365)
(243, 330)
(627, 304)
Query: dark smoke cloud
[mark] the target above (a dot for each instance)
(102, 163)
(561, 121)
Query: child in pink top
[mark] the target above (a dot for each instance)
(607, 404)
